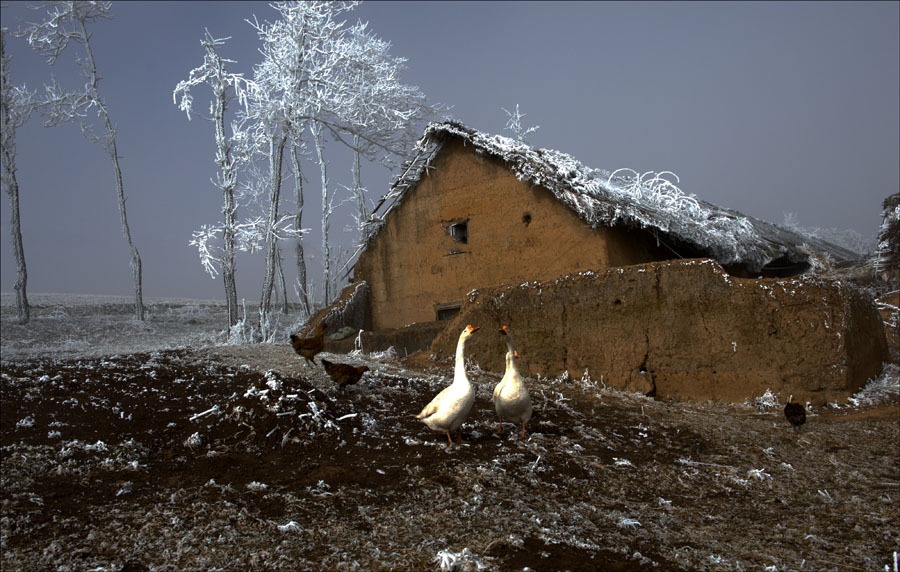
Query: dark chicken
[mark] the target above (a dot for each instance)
(795, 414)
(309, 347)
(344, 374)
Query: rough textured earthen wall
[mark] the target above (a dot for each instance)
(683, 330)
(350, 308)
(889, 308)
(516, 232)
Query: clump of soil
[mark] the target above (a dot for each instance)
(241, 458)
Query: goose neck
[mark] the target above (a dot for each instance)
(511, 355)
(512, 365)
(460, 368)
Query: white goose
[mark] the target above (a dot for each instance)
(450, 407)
(511, 400)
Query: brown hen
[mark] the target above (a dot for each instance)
(309, 347)
(344, 374)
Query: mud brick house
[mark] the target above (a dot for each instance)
(476, 211)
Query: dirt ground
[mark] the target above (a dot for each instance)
(243, 458)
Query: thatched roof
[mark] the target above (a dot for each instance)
(650, 201)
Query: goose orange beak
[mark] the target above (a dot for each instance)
(504, 330)
(472, 329)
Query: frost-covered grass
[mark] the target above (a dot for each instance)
(77, 326)
(70, 325)
(883, 389)
(765, 401)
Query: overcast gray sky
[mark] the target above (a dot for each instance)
(766, 108)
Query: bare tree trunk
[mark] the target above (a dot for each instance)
(276, 150)
(123, 216)
(281, 284)
(326, 255)
(229, 181)
(10, 120)
(23, 310)
(120, 187)
(357, 188)
(302, 288)
(228, 264)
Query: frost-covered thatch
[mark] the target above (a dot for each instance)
(650, 201)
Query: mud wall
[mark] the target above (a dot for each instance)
(889, 308)
(350, 309)
(682, 330)
(405, 341)
(515, 232)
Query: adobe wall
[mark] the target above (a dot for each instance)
(350, 308)
(889, 308)
(516, 232)
(684, 330)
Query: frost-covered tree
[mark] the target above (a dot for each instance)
(263, 225)
(514, 124)
(270, 137)
(845, 238)
(292, 86)
(376, 104)
(226, 87)
(324, 81)
(368, 109)
(66, 22)
(16, 105)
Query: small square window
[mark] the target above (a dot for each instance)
(460, 232)
(447, 310)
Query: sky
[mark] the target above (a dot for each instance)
(766, 108)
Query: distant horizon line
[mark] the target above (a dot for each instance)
(12, 294)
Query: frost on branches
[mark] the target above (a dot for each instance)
(846, 238)
(225, 87)
(515, 125)
(293, 87)
(380, 111)
(249, 236)
(321, 80)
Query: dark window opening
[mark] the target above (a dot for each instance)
(784, 267)
(447, 310)
(460, 232)
(526, 219)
